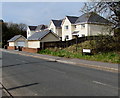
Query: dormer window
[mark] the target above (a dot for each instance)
(66, 27)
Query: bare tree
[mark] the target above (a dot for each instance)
(110, 10)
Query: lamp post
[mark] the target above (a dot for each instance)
(76, 36)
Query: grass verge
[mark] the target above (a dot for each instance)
(111, 57)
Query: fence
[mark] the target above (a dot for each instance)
(64, 44)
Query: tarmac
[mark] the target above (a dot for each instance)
(111, 67)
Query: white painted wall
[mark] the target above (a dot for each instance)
(68, 31)
(58, 31)
(92, 29)
(82, 30)
(47, 38)
(95, 29)
(11, 44)
(52, 27)
(29, 32)
(33, 44)
(21, 39)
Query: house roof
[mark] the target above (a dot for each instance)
(32, 28)
(41, 27)
(40, 35)
(15, 38)
(91, 17)
(72, 19)
(57, 23)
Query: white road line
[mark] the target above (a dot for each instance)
(20, 60)
(97, 82)
(56, 70)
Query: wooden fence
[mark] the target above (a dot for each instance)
(64, 44)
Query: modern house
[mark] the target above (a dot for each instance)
(42, 36)
(88, 24)
(41, 27)
(68, 27)
(55, 26)
(32, 29)
(16, 41)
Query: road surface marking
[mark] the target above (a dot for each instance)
(97, 82)
(56, 70)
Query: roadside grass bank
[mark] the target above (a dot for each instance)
(103, 50)
(111, 57)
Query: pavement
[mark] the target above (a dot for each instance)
(74, 61)
(31, 76)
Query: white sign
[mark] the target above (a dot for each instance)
(87, 50)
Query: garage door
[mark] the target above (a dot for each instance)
(21, 44)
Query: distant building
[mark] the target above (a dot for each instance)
(42, 36)
(55, 26)
(18, 40)
(32, 29)
(88, 24)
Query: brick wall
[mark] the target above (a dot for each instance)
(32, 50)
(11, 47)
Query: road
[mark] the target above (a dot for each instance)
(28, 76)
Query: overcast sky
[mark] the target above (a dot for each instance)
(35, 13)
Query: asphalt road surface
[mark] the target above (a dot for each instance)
(28, 76)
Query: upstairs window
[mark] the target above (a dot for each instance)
(82, 25)
(66, 27)
(75, 26)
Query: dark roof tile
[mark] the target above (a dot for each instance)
(32, 28)
(14, 38)
(39, 35)
(40, 27)
(91, 17)
(72, 19)
(57, 23)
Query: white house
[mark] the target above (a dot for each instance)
(88, 24)
(30, 30)
(41, 27)
(55, 26)
(18, 40)
(42, 36)
(68, 27)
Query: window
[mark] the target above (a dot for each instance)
(82, 25)
(67, 37)
(83, 35)
(66, 27)
(75, 26)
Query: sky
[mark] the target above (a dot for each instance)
(36, 13)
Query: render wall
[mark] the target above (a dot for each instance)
(58, 31)
(11, 44)
(95, 29)
(68, 31)
(33, 44)
(50, 37)
(29, 32)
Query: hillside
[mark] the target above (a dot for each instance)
(75, 51)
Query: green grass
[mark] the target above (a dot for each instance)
(112, 57)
